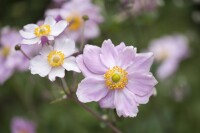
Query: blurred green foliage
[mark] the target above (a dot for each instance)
(30, 96)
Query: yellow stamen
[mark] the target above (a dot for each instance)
(116, 78)
(5, 51)
(162, 56)
(76, 22)
(56, 58)
(43, 30)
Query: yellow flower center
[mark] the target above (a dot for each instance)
(162, 56)
(5, 51)
(43, 30)
(56, 58)
(76, 21)
(116, 78)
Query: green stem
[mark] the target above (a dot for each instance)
(82, 37)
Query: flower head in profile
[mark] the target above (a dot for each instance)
(72, 11)
(33, 33)
(10, 59)
(53, 61)
(170, 51)
(20, 125)
(116, 77)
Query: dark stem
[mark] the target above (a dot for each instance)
(77, 53)
(25, 54)
(96, 115)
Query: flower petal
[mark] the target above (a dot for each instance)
(108, 54)
(27, 35)
(143, 99)
(38, 65)
(46, 50)
(30, 27)
(108, 100)
(141, 84)
(86, 72)
(125, 103)
(120, 47)
(50, 21)
(92, 60)
(50, 37)
(167, 68)
(56, 72)
(70, 64)
(91, 89)
(30, 41)
(91, 30)
(142, 63)
(67, 46)
(59, 27)
(5, 74)
(126, 57)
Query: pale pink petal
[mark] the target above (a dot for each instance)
(50, 21)
(126, 57)
(70, 64)
(65, 45)
(166, 69)
(39, 65)
(141, 63)
(125, 103)
(86, 72)
(27, 35)
(108, 100)
(30, 41)
(91, 89)
(108, 54)
(141, 83)
(56, 72)
(120, 47)
(91, 30)
(58, 28)
(143, 99)
(92, 60)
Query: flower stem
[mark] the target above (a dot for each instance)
(96, 115)
(18, 48)
(65, 87)
(110, 125)
(85, 18)
(25, 54)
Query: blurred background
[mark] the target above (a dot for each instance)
(176, 106)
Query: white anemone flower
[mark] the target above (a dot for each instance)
(33, 33)
(53, 61)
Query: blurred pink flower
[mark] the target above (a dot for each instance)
(20, 125)
(170, 50)
(116, 77)
(10, 59)
(73, 11)
(138, 6)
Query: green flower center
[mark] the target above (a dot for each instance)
(116, 77)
